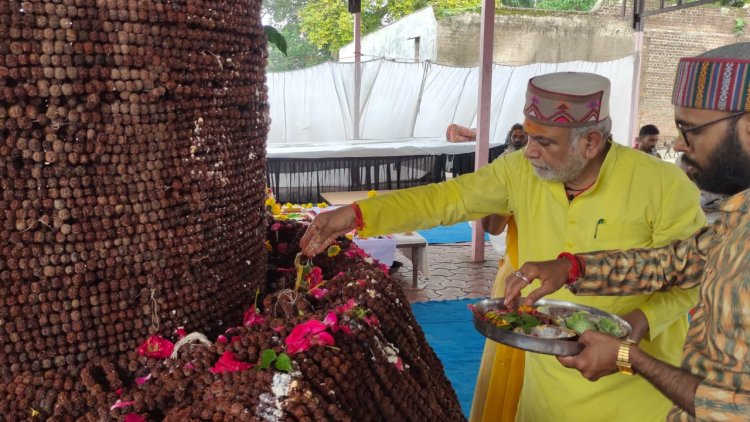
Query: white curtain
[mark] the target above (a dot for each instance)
(403, 101)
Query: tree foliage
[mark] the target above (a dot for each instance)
(329, 25)
(284, 16)
(300, 52)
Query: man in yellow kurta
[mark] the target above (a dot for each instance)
(570, 189)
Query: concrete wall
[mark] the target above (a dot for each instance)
(397, 39)
(528, 36)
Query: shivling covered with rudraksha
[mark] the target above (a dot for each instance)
(132, 214)
(131, 181)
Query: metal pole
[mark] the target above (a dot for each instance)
(636, 95)
(357, 72)
(483, 110)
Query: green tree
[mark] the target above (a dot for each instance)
(329, 25)
(580, 5)
(284, 16)
(300, 52)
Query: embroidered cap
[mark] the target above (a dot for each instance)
(716, 80)
(569, 99)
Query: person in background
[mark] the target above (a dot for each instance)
(648, 137)
(570, 187)
(713, 381)
(516, 138)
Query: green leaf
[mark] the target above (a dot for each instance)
(284, 363)
(267, 357)
(275, 38)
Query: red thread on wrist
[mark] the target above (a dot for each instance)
(359, 223)
(576, 267)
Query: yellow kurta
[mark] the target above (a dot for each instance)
(637, 201)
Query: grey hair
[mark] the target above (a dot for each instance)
(605, 127)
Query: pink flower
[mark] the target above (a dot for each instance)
(306, 335)
(278, 328)
(119, 404)
(315, 277)
(228, 363)
(332, 320)
(253, 317)
(118, 392)
(318, 293)
(340, 274)
(275, 227)
(235, 339)
(189, 366)
(399, 364)
(384, 269)
(156, 347)
(371, 320)
(142, 380)
(222, 339)
(134, 417)
(348, 306)
(180, 332)
(361, 283)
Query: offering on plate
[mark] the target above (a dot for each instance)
(539, 322)
(550, 326)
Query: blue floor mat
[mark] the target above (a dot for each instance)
(450, 331)
(457, 233)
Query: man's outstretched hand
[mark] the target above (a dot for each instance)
(552, 274)
(325, 228)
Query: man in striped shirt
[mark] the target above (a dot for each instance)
(712, 112)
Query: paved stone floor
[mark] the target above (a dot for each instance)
(452, 274)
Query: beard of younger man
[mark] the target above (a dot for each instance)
(728, 168)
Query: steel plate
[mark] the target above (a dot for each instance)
(529, 343)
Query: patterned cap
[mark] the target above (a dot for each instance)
(568, 99)
(711, 83)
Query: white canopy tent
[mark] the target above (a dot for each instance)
(409, 105)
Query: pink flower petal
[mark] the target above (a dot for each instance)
(348, 306)
(346, 330)
(323, 339)
(142, 380)
(253, 317)
(222, 339)
(118, 392)
(119, 404)
(189, 366)
(134, 417)
(301, 337)
(228, 363)
(275, 227)
(315, 277)
(181, 333)
(156, 347)
(371, 320)
(318, 293)
(331, 319)
(399, 364)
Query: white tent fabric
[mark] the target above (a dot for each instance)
(403, 103)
